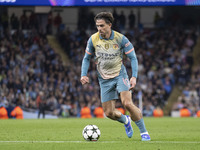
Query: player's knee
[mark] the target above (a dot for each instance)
(128, 105)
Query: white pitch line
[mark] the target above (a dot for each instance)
(153, 142)
(176, 142)
(57, 142)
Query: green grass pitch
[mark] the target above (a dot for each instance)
(66, 134)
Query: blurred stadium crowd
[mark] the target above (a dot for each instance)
(29, 66)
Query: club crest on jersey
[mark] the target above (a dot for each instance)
(115, 46)
(106, 46)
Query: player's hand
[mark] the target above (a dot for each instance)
(132, 83)
(84, 80)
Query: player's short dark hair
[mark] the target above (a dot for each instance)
(107, 16)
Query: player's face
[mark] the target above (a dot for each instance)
(103, 28)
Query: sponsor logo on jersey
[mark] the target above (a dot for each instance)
(107, 56)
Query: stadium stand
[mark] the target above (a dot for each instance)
(28, 65)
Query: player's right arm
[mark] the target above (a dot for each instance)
(86, 62)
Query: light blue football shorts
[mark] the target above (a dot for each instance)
(110, 88)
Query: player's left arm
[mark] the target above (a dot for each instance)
(130, 52)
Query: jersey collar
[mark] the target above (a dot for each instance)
(111, 36)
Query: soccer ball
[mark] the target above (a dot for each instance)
(91, 133)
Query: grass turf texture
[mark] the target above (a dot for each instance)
(46, 134)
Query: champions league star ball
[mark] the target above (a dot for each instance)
(91, 133)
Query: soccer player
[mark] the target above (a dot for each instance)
(108, 46)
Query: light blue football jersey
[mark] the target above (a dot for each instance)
(108, 55)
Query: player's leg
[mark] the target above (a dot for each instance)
(134, 111)
(135, 114)
(111, 112)
(43, 112)
(39, 114)
(108, 96)
(114, 114)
